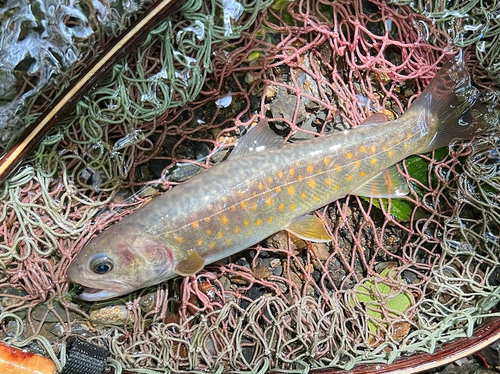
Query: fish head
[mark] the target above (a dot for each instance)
(120, 260)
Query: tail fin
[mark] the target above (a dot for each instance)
(443, 108)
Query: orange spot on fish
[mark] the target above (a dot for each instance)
(233, 207)
(362, 149)
(373, 149)
(291, 172)
(291, 190)
(349, 155)
(220, 234)
(246, 222)
(269, 180)
(312, 183)
(207, 219)
(405, 145)
(336, 187)
(199, 241)
(384, 148)
(349, 178)
(357, 163)
(292, 207)
(250, 232)
(303, 195)
(300, 178)
(228, 241)
(270, 220)
(224, 220)
(278, 189)
(326, 161)
(390, 153)
(209, 232)
(180, 239)
(310, 169)
(254, 194)
(338, 168)
(212, 245)
(237, 229)
(408, 136)
(269, 201)
(363, 174)
(281, 207)
(328, 181)
(258, 222)
(316, 198)
(254, 206)
(373, 161)
(261, 186)
(280, 174)
(196, 225)
(243, 205)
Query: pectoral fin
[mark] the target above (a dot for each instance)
(388, 183)
(191, 265)
(309, 228)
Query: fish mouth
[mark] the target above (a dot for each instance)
(97, 294)
(112, 289)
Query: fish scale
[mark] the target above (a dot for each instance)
(266, 186)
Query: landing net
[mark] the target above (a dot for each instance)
(400, 277)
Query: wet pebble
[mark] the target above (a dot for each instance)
(261, 272)
(184, 172)
(42, 312)
(253, 293)
(321, 250)
(148, 302)
(275, 263)
(280, 240)
(14, 299)
(109, 315)
(278, 271)
(157, 166)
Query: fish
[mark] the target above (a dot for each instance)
(267, 185)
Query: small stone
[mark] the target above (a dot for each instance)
(225, 283)
(275, 263)
(184, 171)
(109, 315)
(261, 272)
(147, 302)
(321, 250)
(278, 271)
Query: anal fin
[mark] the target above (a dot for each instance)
(389, 183)
(191, 265)
(310, 228)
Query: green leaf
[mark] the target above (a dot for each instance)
(379, 296)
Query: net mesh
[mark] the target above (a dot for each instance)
(400, 276)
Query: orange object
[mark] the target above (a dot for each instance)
(18, 361)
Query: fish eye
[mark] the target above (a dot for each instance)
(101, 264)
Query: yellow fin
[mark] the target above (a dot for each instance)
(309, 228)
(191, 265)
(388, 183)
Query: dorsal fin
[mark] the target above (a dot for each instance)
(388, 183)
(259, 138)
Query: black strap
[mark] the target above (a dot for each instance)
(84, 358)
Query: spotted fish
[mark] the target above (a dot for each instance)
(266, 186)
